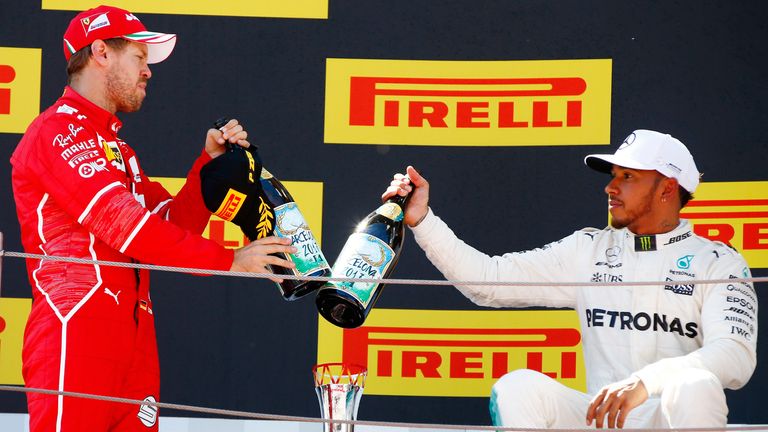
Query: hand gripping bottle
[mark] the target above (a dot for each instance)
(261, 206)
(371, 252)
(279, 215)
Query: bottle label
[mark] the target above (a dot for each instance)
(363, 257)
(291, 224)
(391, 211)
(266, 175)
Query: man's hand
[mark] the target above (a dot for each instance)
(616, 400)
(255, 256)
(418, 205)
(216, 138)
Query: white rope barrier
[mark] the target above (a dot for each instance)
(194, 270)
(276, 417)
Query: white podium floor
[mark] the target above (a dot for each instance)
(20, 423)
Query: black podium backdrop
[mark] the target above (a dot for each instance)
(694, 69)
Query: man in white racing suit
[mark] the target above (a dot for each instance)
(656, 356)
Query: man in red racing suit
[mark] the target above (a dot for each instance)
(81, 193)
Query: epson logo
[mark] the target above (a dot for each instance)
(741, 302)
(642, 321)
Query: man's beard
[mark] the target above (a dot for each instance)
(124, 94)
(632, 216)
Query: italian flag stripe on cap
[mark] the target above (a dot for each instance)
(69, 47)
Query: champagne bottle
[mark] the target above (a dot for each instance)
(371, 252)
(289, 223)
(279, 215)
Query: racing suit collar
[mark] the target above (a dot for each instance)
(96, 115)
(652, 242)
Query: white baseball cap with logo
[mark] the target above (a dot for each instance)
(650, 150)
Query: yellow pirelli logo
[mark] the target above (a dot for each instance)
(19, 88)
(308, 196)
(244, 8)
(735, 213)
(468, 103)
(230, 205)
(13, 319)
(455, 353)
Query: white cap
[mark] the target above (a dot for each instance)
(649, 150)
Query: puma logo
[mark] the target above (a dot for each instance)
(113, 295)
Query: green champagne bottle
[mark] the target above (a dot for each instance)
(289, 223)
(371, 252)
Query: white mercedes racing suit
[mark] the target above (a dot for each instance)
(682, 340)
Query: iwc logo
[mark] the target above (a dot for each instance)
(148, 413)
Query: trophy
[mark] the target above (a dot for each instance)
(339, 387)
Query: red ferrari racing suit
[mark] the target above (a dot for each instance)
(80, 193)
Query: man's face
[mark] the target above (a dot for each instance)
(633, 197)
(127, 77)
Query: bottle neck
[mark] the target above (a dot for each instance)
(402, 201)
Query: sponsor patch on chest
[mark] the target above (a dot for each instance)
(679, 288)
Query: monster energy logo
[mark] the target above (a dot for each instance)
(645, 243)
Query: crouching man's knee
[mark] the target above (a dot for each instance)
(694, 398)
(516, 399)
